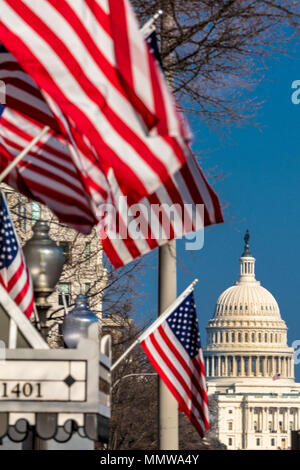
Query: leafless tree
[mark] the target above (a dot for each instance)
(218, 50)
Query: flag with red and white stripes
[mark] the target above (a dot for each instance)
(78, 54)
(26, 111)
(14, 274)
(21, 93)
(65, 172)
(185, 203)
(47, 173)
(276, 377)
(52, 174)
(174, 349)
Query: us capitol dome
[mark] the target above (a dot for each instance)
(249, 366)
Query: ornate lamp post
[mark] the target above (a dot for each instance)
(45, 262)
(77, 322)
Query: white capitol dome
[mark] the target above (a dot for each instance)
(247, 298)
(246, 336)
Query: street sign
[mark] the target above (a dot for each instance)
(55, 391)
(53, 380)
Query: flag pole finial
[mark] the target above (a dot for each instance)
(149, 26)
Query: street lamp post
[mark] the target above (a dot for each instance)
(77, 322)
(45, 262)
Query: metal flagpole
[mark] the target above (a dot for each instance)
(24, 152)
(167, 288)
(168, 425)
(167, 404)
(156, 323)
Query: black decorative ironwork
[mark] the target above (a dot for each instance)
(95, 427)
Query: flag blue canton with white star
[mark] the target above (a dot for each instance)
(153, 45)
(8, 241)
(14, 274)
(184, 324)
(174, 349)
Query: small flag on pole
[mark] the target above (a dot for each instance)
(14, 274)
(276, 377)
(174, 350)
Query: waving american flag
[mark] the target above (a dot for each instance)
(64, 170)
(174, 349)
(14, 274)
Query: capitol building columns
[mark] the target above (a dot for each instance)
(249, 366)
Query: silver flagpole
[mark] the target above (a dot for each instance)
(24, 152)
(168, 427)
(168, 419)
(167, 286)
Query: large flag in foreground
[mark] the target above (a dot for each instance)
(98, 75)
(174, 349)
(53, 163)
(50, 174)
(65, 170)
(14, 274)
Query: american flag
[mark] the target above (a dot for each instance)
(276, 377)
(151, 39)
(21, 93)
(28, 111)
(90, 60)
(175, 352)
(188, 188)
(51, 176)
(70, 181)
(47, 173)
(14, 274)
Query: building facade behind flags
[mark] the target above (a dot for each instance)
(247, 348)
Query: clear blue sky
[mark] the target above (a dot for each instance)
(261, 192)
